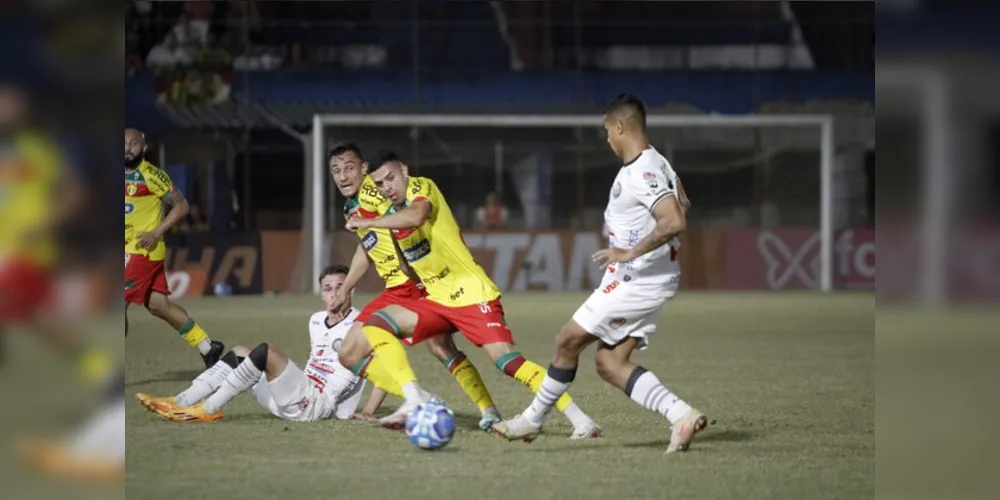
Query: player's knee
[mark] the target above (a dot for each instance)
(258, 356)
(569, 340)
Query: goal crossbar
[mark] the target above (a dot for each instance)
(825, 123)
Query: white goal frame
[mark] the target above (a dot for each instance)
(825, 124)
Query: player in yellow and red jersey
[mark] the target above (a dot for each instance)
(350, 173)
(461, 296)
(147, 188)
(37, 194)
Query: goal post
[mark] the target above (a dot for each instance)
(316, 170)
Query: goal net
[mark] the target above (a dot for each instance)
(770, 208)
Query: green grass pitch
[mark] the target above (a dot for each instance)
(788, 378)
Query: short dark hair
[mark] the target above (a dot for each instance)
(386, 157)
(345, 147)
(627, 102)
(335, 269)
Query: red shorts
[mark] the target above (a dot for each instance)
(481, 324)
(25, 288)
(143, 277)
(407, 295)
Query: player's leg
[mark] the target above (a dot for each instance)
(615, 366)
(203, 386)
(484, 326)
(444, 349)
(160, 306)
(532, 375)
(383, 331)
(356, 353)
(97, 452)
(261, 361)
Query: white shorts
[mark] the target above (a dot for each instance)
(292, 396)
(618, 310)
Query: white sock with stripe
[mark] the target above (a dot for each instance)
(241, 379)
(644, 388)
(554, 385)
(202, 387)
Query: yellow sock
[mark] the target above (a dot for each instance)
(192, 333)
(94, 364)
(468, 377)
(371, 369)
(390, 353)
(529, 374)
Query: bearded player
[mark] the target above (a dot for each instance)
(323, 389)
(147, 188)
(461, 296)
(350, 173)
(641, 274)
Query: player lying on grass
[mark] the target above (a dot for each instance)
(460, 295)
(147, 188)
(350, 174)
(278, 384)
(647, 203)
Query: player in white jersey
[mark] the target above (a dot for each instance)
(323, 389)
(645, 215)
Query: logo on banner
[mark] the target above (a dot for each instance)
(854, 262)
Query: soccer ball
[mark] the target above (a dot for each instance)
(430, 426)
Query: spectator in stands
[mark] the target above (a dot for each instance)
(492, 215)
(213, 57)
(168, 55)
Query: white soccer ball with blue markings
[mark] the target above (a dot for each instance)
(430, 426)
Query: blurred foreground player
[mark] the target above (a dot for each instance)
(460, 295)
(37, 194)
(147, 188)
(375, 248)
(645, 216)
(97, 452)
(323, 390)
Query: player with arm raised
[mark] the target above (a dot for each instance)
(461, 296)
(375, 248)
(323, 389)
(645, 216)
(147, 188)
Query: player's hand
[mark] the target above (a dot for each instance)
(355, 223)
(147, 240)
(364, 417)
(607, 256)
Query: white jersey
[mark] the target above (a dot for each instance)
(638, 188)
(325, 341)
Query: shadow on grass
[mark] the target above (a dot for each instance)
(176, 376)
(709, 436)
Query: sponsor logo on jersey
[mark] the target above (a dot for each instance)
(438, 277)
(459, 293)
(650, 179)
(369, 241)
(418, 251)
(129, 208)
(611, 287)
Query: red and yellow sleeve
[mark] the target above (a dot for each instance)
(422, 189)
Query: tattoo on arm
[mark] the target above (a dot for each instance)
(174, 197)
